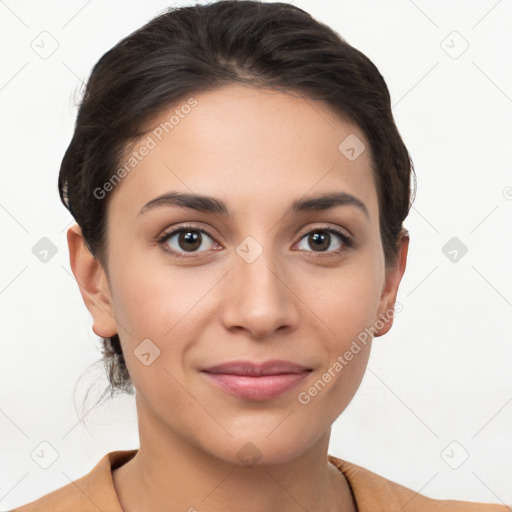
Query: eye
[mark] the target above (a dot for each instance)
(187, 239)
(321, 239)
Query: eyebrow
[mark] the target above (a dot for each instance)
(210, 204)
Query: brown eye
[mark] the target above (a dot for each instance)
(322, 240)
(187, 240)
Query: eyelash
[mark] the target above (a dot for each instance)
(347, 241)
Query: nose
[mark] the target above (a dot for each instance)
(259, 297)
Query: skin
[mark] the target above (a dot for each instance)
(256, 150)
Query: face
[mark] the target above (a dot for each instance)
(249, 277)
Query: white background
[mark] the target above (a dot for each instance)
(443, 373)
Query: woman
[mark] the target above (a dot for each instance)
(239, 187)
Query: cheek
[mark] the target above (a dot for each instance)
(349, 314)
(164, 304)
(151, 303)
(150, 298)
(345, 300)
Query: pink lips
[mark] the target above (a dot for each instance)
(256, 381)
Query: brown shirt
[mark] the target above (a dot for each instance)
(372, 493)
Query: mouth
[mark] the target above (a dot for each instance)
(256, 381)
(255, 369)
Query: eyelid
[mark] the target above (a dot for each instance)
(347, 240)
(328, 228)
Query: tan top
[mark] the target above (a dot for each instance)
(372, 493)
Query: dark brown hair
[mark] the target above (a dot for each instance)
(192, 49)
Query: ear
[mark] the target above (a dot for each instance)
(394, 275)
(93, 283)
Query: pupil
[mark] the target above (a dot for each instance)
(321, 241)
(189, 237)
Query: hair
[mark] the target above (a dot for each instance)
(192, 49)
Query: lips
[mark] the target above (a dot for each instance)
(256, 381)
(249, 368)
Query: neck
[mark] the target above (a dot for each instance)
(168, 473)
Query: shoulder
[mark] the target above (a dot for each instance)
(73, 496)
(374, 493)
(90, 493)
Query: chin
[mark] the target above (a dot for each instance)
(262, 450)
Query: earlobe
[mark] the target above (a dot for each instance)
(92, 282)
(393, 277)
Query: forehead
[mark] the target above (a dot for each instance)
(247, 146)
